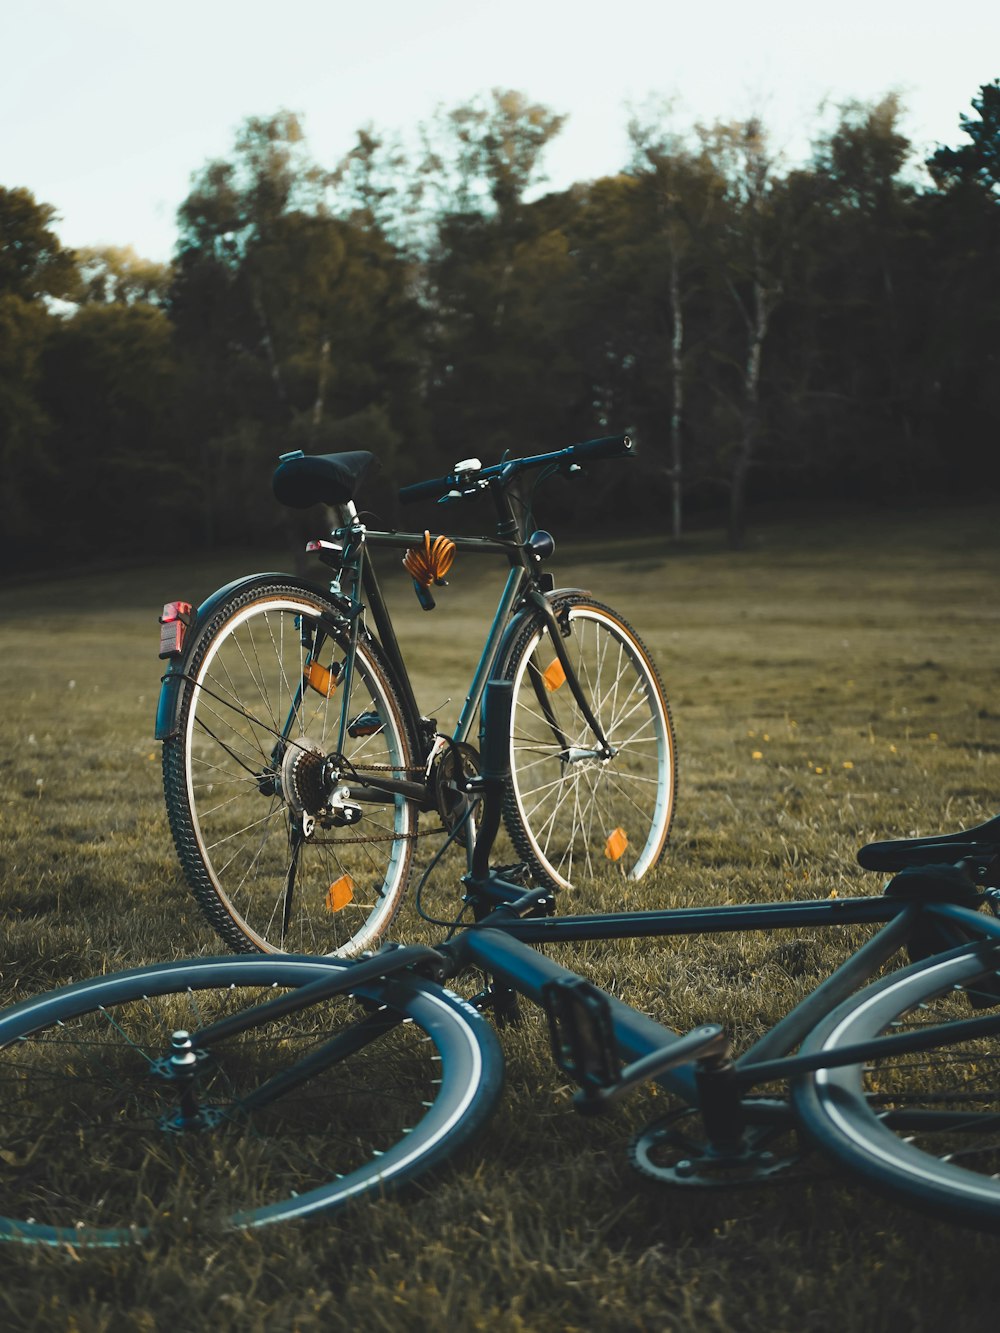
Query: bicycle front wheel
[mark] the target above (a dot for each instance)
(922, 1125)
(571, 811)
(260, 791)
(105, 1143)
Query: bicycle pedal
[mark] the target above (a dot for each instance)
(365, 724)
(517, 873)
(582, 1033)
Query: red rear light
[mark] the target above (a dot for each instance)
(174, 622)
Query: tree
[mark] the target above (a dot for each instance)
(684, 192)
(746, 247)
(978, 161)
(498, 276)
(33, 263)
(485, 155)
(377, 187)
(961, 219)
(870, 301)
(35, 272)
(117, 275)
(109, 389)
(290, 320)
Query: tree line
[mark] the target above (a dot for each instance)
(766, 332)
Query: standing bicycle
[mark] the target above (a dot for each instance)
(297, 761)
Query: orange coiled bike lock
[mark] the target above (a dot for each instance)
(428, 564)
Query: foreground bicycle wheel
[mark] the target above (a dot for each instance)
(924, 1125)
(570, 812)
(103, 1144)
(278, 854)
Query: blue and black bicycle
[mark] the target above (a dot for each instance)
(299, 769)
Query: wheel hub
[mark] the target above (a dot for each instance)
(576, 754)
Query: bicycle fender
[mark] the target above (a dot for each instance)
(168, 705)
(527, 610)
(556, 593)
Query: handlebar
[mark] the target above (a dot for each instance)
(470, 483)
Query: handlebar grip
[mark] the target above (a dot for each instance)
(421, 490)
(609, 446)
(494, 735)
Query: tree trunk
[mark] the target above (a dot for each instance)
(744, 456)
(677, 414)
(321, 378)
(265, 328)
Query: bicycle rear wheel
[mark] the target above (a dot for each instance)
(569, 811)
(101, 1147)
(925, 1125)
(276, 849)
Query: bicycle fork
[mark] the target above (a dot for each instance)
(603, 749)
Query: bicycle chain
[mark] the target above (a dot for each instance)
(385, 837)
(385, 768)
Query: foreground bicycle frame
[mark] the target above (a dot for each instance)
(607, 1047)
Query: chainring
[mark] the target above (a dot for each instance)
(667, 1152)
(455, 763)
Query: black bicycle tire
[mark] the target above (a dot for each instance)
(471, 1077)
(838, 1116)
(515, 819)
(214, 897)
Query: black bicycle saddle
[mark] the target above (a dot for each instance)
(301, 480)
(981, 842)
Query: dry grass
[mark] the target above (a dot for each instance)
(836, 683)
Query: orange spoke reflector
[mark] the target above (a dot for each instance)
(614, 848)
(340, 893)
(322, 681)
(554, 676)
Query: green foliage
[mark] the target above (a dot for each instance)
(116, 274)
(109, 391)
(33, 264)
(978, 161)
(861, 159)
(34, 268)
(24, 426)
(289, 321)
(764, 331)
(485, 155)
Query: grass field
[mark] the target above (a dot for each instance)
(838, 682)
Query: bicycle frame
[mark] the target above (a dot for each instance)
(359, 571)
(502, 948)
(501, 945)
(524, 588)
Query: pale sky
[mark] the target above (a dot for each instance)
(108, 106)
